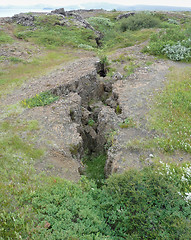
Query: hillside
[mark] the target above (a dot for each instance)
(95, 133)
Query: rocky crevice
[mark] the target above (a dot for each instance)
(93, 110)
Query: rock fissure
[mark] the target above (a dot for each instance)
(93, 111)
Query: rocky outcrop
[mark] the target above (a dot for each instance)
(68, 18)
(74, 17)
(78, 21)
(24, 19)
(125, 15)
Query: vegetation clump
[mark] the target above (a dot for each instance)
(56, 35)
(135, 205)
(139, 21)
(173, 43)
(128, 122)
(42, 99)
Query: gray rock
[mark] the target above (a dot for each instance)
(24, 19)
(125, 15)
(117, 76)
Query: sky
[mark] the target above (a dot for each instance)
(180, 3)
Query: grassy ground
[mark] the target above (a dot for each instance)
(5, 38)
(18, 177)
(171, 113)
(14, 74)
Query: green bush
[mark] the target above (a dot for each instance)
(100, 23)
(139, 21)
(145, 205)
(173, 21)
(171, 42)
(68, 211)
(135, 205)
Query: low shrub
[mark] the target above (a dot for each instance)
(145, 205)
(139, 21)
(172, 21)
(100, 23)
(177, 52)
(134, 205)
(172, 43)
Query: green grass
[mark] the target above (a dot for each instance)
(18, 177)
(122, 58)
(14, 75)
(170, 116)
(57, 36)
(42, 99)
(5, 38)
(16, 60)
(113, 36)
(95, 167)
(115, 39)
(171, 113)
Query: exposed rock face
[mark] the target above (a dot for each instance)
(75, 17)
(87, 87)
(93, 120)
(125, 15)
(24, 19)
(78, 21)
